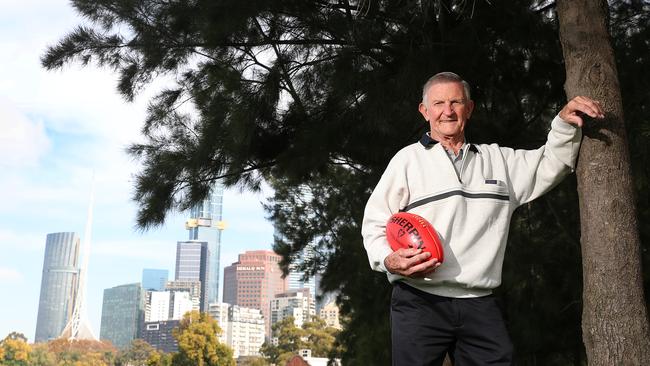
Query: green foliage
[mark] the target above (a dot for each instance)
(320, 337)
(61, 352)
(315, 97)
(82, 352)
(198, 343)
(160, 359)
(14, 350)
(253, 361)
(139, 353)
(289, 341)
(41, 356)
(314, 335)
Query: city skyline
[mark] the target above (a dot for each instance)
(231, 257)
(57, 128)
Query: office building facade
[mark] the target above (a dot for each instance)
(59, 285)
(154, 279)
(159, 335)
(298, 304)
(253, 281)
(166, 305)
(219, 312)
(192, 264)
(242, 328)
(122, 314)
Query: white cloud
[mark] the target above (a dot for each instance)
(10, 275)
(22, 142)
(79, 100)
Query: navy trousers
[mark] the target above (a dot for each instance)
(426, 327)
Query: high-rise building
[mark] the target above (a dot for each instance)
(296, 303)
(253, 281)
(205, 225)
(192, 264)
(122, 313)
(59, 285)
(242, 328)
(154, 279)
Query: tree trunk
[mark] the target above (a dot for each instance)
(614, 319)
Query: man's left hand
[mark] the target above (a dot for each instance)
(581, 105)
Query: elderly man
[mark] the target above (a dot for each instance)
(468, 192)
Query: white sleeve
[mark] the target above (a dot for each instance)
(390, 194)
(534, 172)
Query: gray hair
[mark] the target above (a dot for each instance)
(445, 77)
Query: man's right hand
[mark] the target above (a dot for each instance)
(410, 262)
(580, 104)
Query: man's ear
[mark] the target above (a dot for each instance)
(470, 108)
(423, 111)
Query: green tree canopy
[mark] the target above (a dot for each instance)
(320, 338)
(41, 356)
(198, 342)
(82, 352)
(139, 353)
(254, 361)
(290, 339)
(314, 335)
(160, 359)
(14, 350)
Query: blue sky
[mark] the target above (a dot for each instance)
(56, 128)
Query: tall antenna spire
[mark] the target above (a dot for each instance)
(78, 326)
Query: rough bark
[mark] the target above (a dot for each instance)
(614, 320)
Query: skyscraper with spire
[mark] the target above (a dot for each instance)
(205, 225)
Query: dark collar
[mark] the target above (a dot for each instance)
(428, 143)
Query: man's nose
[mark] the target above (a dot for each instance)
(448, 110)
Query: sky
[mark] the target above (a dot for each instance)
(56, 129)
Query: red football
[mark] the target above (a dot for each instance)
(407, 230)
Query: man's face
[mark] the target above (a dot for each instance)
(447, 110)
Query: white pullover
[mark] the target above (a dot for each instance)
(471, 210)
